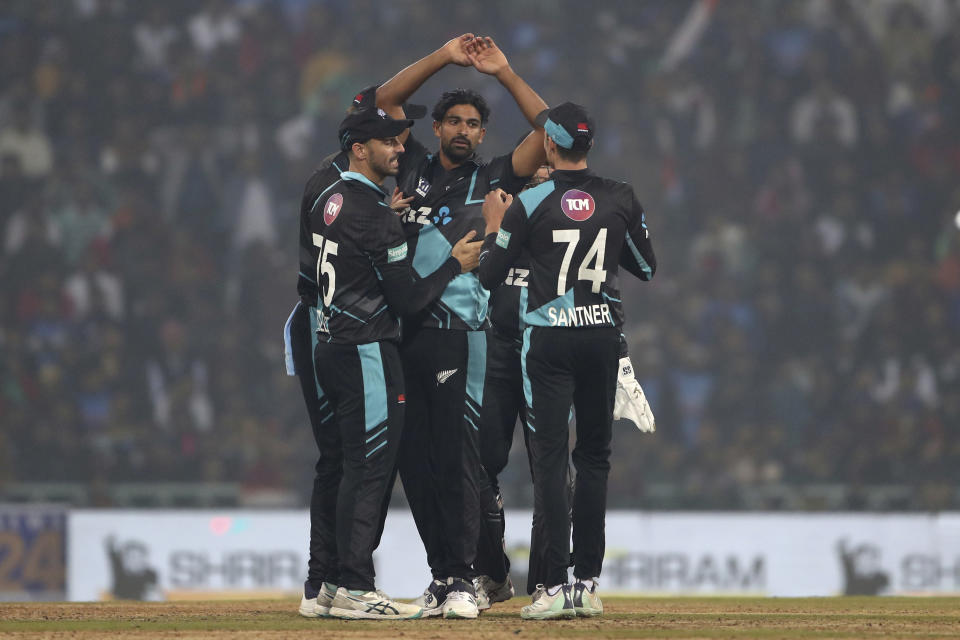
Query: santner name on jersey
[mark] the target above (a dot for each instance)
(594, 314)
(578, 228)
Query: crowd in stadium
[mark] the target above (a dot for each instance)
(796, 160)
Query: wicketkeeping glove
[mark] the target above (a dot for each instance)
(630, 402)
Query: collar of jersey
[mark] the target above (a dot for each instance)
(573, 173)
(472, 160)
(359, 177)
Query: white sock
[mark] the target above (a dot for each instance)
(588, 584)
(554, 589)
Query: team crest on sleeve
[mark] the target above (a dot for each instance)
(422, 187)
(332, 209)
(577, 205)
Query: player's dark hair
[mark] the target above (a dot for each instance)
(461, 96)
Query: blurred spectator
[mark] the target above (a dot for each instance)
(154, 36)
(81, 219)
(27, 143)
(824, 115)
(799, 162)
(177, 379)
(93, 290)
(217, 24)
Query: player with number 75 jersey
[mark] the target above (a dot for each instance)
(365, 283)
(364, 274)
(362, 267)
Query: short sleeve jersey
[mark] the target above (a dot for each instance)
(354, 237)
(445, 207)
(326, 174)
(578, 228)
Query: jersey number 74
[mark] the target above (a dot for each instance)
(596, 275)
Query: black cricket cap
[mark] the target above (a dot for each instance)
(569, 125)
(364, 124)
(367, 99)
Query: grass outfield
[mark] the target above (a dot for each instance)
(624, 618)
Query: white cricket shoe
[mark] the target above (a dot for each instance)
(549, 607)
(318, 607)
(586, 600)
(368, 605)
(461, 600)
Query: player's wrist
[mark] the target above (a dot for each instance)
(442, 57)
(505, 74)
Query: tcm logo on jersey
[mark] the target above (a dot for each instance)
(332, 209)
(577, 205)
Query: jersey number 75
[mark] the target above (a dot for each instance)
(324, 267)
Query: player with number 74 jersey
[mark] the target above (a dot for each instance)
(579, 228)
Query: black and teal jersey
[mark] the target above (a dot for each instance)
(578, 229)
(326, 174)
(509, 300)
(446, 206)
(360, 259)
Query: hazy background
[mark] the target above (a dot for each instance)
(799, 162)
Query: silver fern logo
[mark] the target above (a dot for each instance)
(443, 376)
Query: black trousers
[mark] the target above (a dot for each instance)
(439, 453)
(363, 385)
(560, 365)
(503, 403)
(323, 564)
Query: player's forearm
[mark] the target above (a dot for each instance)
(406, 296)
(395, 91)
(638, 258)
(494, 263)
(526, 98)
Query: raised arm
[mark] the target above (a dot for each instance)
(487, 58)
(394, 92)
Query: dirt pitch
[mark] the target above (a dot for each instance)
(623, 618)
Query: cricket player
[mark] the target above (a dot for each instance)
(444, 347)
(365, 282)
(578, 229)
(504, 404)
(300, 339)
